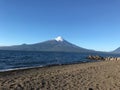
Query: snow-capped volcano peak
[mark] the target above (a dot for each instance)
(59, 39)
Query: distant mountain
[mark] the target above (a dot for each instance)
(58, 44)
(117, 50)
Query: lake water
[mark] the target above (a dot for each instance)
(24, 59)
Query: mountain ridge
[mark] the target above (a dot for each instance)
(58, 44)
(116, 50)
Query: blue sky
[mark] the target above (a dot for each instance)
(93, 24)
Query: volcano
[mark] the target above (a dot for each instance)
(57, 45)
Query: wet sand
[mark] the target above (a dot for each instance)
(104, 75)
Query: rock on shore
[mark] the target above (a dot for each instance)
(103, 58)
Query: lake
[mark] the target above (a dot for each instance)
(10, 60)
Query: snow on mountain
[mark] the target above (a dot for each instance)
(59, 39)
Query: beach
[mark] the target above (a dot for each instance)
(104, 75)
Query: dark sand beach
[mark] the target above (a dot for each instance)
(104, 75)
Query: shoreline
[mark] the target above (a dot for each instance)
(43, 66)
(103, 75)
